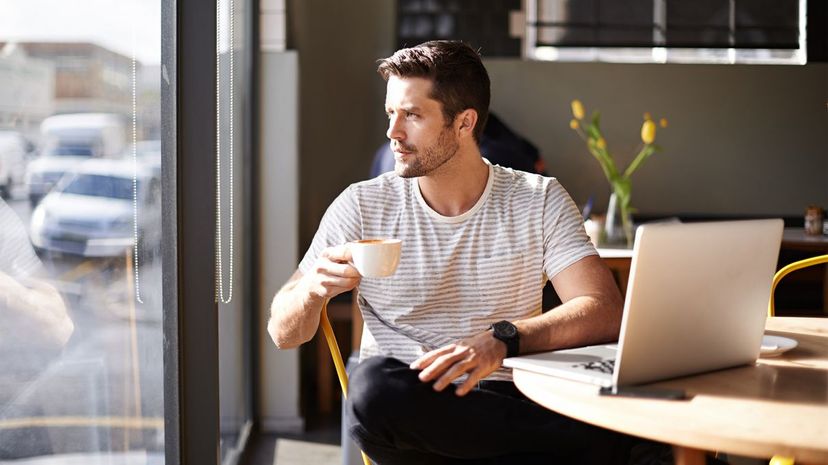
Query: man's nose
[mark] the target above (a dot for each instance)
(395, 131)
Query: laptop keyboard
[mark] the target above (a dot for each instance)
(604, 366)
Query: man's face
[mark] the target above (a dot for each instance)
(420, 138)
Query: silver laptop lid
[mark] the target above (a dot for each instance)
(697, 298)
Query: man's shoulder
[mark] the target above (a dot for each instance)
(522, 180)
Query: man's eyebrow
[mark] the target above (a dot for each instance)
(406, 108)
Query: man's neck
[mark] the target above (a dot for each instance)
(455, 187)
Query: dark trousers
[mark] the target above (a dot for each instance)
(397, 419)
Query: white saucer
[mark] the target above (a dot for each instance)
(775, 345)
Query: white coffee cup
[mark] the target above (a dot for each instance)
(376, 258)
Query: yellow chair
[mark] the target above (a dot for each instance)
(325, 323)
(789, 269)
(784, 271)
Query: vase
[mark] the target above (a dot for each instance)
(618, 230)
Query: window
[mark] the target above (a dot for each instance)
(81, 339)
(235, 300)
(483, 24)
(708, 31)
(109, 341)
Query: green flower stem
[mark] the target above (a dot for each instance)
(606, 162)
(622, 187)
(644, 154)
(626, 223)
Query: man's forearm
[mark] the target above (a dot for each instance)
(584, 320)
(294, 315)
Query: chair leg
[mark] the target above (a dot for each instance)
(337, 359)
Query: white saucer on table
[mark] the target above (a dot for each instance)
(776, 345)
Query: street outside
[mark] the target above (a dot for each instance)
(104, 394)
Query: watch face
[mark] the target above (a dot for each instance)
(505, 329)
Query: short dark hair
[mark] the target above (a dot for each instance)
(459, 79)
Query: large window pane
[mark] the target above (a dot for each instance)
(596, 23)
(234, 309)
(81, 372)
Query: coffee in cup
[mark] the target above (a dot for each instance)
(376, 258)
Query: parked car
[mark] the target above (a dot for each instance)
(90, 211)
(67, 141)
(13, 150)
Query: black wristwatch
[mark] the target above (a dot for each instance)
(508, 333)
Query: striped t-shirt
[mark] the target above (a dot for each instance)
(457, 275)
(17, 258)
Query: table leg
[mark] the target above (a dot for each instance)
(688, 456)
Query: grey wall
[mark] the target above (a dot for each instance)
(742, 139)
(342, 120)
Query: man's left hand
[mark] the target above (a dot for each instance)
(477, 357)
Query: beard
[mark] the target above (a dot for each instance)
(430, 158)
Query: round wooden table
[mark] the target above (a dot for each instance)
(779, 406)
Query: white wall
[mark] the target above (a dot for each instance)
(279, 218)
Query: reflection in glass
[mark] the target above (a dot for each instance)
(81, 373)
(96, 185)
(232, 97)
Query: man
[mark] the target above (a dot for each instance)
(479, 243)
(34, 328)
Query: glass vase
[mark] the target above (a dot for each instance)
(618, 226)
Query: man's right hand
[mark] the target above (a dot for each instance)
(294, 313)
(331, 274)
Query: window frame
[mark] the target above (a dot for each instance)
(190, 323)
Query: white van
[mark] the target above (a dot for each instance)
(66, 141)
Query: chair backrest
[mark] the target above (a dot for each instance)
(789, 269)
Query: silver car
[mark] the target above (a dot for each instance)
(90, 210)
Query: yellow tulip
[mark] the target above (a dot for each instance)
(647, 116)
(663, 122)
(577, 109)
(573, 124)
(601, 144)
(648, 131)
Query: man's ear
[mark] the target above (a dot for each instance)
(467, 121)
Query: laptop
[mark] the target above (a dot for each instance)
(696, 301)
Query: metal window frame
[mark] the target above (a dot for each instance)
(191, 389)
(252, 194)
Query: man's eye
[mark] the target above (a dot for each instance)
(410, 115)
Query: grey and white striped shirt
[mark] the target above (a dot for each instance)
(457, 275)
(17, 258)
